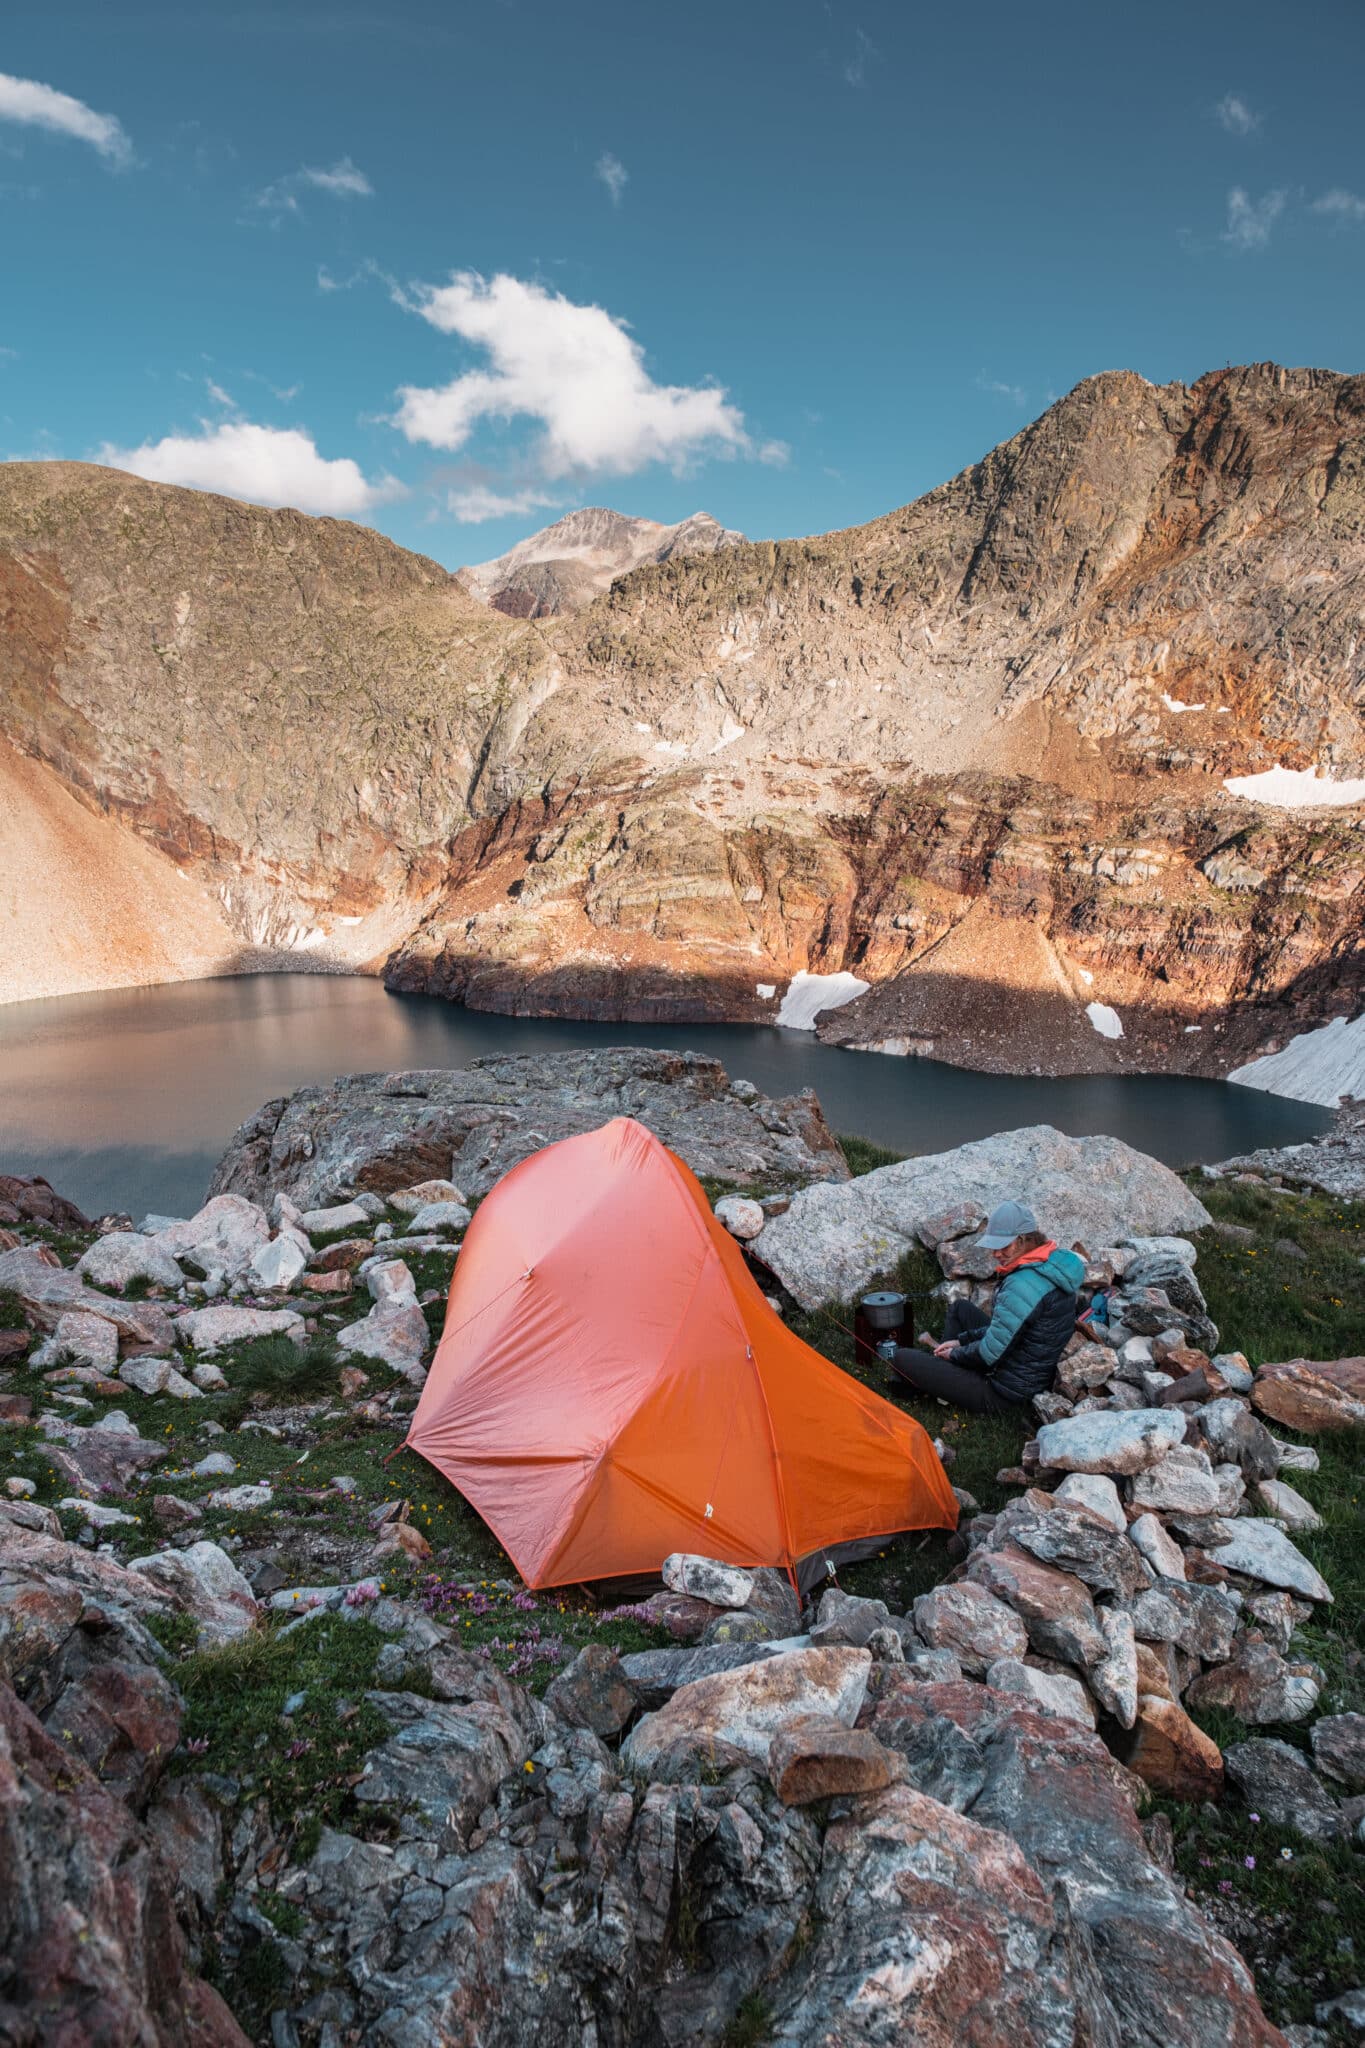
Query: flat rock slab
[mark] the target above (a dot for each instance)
(387, 1132)
(657, 1674)
(1312, 1394)
(214, 1329)
(834, 1240)
(48, 1292)
(740, 1711)
(1112, 1442)
(1262, 1550)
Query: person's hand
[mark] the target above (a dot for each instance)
(945, 1350)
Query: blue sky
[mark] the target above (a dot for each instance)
(454, 269)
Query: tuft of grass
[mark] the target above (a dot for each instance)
(752, 2024)
(12, 1315)
(865, 1157)
(278, 1367)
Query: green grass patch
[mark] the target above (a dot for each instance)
(178, 1633)
(304, 1766)
(1296, 1910)
(284, 1371)
(1297, 1290)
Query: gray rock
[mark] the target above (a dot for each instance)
(395, 1332)
(158, 1376)
(1279, 1784)
(1182, 1483)
(1050, 1692)
(125, 1256)
(1114, 1679)
(1165, 1557)
(1261, 1550)
(281, 1262)
(389, 1131)
(203, 1580)
(741, 1217)
(222, 1237)
(388, 1280)
(977, 1627)
(657, 1674)
(844, 1618)
(441, 1218)
(1339, 1749)
(1240, 1437)
(80, 1339)
(834, 1240)
(322, 1222)
(1201, 1620)
(215, 1329)
(1258, 1687)
(594, 1692)
(705, 1578)
(1107, 1442)
(1095, 1491)
(444, 1760)
(50, 1292)
(1280, 1500)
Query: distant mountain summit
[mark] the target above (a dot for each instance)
(565, 566)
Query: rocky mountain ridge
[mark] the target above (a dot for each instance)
(565, 566)
(974, 752)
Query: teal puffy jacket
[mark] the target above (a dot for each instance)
(1031, 1323)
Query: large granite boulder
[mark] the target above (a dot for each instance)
(834, 1239)
(1313, 1394)
(386, 1131)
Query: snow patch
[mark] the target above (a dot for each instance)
(669, 747)
(1086, 976)
(1293, 789)
(350, 920)
(809, 994)
(766, 990)
(1105, 1020)
(643, 728)
(1174, 704)
(1317, 1066)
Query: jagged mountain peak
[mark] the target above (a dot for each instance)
(564, 566)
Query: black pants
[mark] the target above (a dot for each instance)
(955, 1384)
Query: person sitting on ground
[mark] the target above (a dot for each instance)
(994, 1364)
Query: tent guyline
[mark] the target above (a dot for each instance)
(643, 1397)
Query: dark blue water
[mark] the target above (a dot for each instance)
(126, 1100)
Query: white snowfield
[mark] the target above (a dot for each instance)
(1317, 1066)
(1296, 789)
(1105, 1020)
(809, 994)
(1174, 704)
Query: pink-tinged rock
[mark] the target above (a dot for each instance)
(1310, 1394)
(1258, 1686)
(1161, 1551)
(1168, 1752)
(817, 1757)
(740, 1711)
(48, 1292)
(971, 1622)
(94, 1955)
(1055, 1606)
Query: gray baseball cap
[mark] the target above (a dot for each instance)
(1004, 1224)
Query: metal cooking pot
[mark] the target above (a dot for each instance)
(883, 1311)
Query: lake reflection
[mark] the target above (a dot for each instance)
(126, 1100)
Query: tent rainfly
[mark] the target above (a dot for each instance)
(611, 1386)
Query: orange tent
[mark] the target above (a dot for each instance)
(612, 1386)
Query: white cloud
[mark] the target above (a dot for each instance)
(776, 454)
(478, 502)
(219, 396)
(1236, 116)
(613, 174)
(855, 69)
(1342, 205)
(1014, 392)
(266, 465)
(1250, 220)
(574, 368)
(343, 180)
(42, 106)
